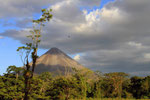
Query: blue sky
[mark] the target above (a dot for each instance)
(8, 46)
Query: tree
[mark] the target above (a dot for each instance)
(47, 79)
(136, 86)
(63, 88)
(140, 87)
(83, 78)
(31, 48)
(38, 91)
(126, 89)
(15, 70)
(146, 87)
(117, 79)
(10, 87)
(97, 85)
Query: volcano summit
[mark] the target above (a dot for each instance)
(57, 62)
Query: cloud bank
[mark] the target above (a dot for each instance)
(114, 38)
(1, 37)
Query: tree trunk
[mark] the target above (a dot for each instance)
(27, 83)
(26, 97)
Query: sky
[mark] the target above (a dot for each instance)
(105, 35)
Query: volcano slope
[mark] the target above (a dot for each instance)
(58, 63)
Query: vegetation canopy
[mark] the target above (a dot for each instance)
(74, 87)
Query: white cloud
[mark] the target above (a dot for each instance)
(77, 57)
(147, 57)
(137, 45)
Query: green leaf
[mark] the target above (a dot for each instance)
(43, 10)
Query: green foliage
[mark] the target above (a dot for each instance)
(98, 89)
(83, 80)
(78, 86)
(116, 79)
(14, 69)
(63, 88)
(46, 16)
(37, 92)
(140, 87)
(10, 87)
(136, 86)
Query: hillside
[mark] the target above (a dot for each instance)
(57, 62)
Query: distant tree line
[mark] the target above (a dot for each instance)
(76, 86)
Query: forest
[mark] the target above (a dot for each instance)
(78, 86)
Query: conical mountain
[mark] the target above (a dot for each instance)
(57, 62)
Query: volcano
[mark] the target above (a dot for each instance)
(57, 62)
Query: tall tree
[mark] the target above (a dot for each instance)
(31, 48)
(117, 79)
(136, 86)
(146, 87)
(98, 93)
